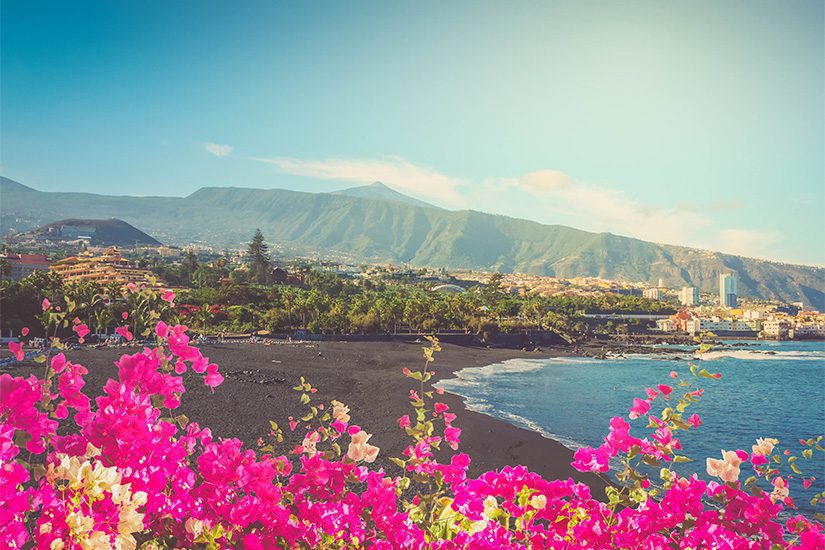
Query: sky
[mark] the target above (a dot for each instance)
(693, 123)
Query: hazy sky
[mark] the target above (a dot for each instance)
(696, 123)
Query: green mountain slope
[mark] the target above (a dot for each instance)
(373, 229)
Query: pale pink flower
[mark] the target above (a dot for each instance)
(46, 304)
(764, 446)
(340, 411)
(309, 443)
(780, 490)
(359, 449)
(726, 469)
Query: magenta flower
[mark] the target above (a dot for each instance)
(82, 330)
(17, 349)
(639, 408)
(124, 331)
(46, 304)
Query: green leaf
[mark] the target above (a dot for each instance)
(304, 399)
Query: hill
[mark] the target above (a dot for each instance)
(379, 191)
(111, 232)
(372, 229)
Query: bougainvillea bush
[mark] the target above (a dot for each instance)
(122, 470)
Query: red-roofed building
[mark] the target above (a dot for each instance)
(23, 265)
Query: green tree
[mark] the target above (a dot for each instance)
(260, 264)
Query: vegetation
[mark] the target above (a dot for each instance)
(323, 302)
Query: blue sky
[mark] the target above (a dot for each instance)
(696, 123)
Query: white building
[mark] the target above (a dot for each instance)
(666, 325)
(689, 296)
(653, 293)
(807, 330)
(727, 290)
(776, 327)
(716, 325)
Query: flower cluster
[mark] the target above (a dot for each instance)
(121, 470)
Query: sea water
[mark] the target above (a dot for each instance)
(767, 389)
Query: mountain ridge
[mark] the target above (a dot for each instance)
(373, 229)
(380, 191)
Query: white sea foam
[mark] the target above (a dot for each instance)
(760, 355)
(484, 407)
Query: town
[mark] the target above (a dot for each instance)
(681, 312)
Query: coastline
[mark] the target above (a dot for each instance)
(364, 375)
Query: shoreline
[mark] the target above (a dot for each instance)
(367, 377)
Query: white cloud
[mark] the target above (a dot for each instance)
(603, 209)
(393, 171)
(217, 149)
(541, 181)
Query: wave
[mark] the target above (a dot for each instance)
(758, 355)
(485, 407)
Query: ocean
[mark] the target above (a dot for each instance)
(767, 389)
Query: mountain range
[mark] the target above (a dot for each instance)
(373, 223)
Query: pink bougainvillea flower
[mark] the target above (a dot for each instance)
(451, 435)
(441, 407)
(726, 469)
(213, 380)
(404, 421)
(124, 315)
(439, 391)
(758, 460)
(124, 331)
(82, 331)
(24, 331)
(46, 304)
(17, 349)
(651, 394)
(694, 420)
(674, 374)
(665, 389)
(639, 408)
(806, 482)
(132, 287)
(292, 424)
(168, 296)
(162, 330)
(406, 371)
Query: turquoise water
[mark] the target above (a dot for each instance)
(768, 389)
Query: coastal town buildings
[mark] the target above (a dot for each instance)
(727, 290)
(20, 266)
(110, 267)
